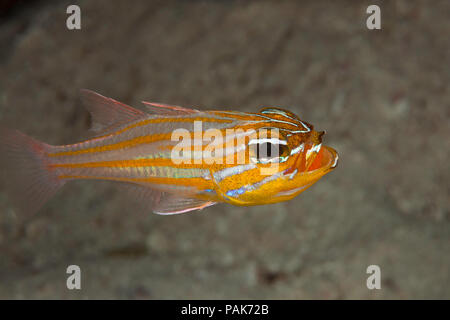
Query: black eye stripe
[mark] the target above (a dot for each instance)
(268, 150)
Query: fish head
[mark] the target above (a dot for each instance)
(284, 157)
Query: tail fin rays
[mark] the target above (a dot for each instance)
(28, 179)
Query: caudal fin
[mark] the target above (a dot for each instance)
(29, 181)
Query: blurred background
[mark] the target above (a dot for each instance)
(382, 96)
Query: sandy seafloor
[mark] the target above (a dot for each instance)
(382, 96)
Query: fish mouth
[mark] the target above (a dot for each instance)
(317, 157)
(330, 159)
(310, 167)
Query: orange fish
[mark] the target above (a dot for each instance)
(176, 159)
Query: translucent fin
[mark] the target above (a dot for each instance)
(162, 202)
(108, 114)
(144, 196)
(30, 182)
(159, 108)
(173, 204)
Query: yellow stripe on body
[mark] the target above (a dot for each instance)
(115, 146)
(134, 141)
(161, 162)
(259, 120)
(200, 183)
(161, 120)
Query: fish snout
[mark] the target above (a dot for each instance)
(314, 157)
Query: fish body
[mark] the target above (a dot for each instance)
(176, 159)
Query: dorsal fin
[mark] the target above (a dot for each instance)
(159, 108)
(108, 114)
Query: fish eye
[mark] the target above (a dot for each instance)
(266, 151)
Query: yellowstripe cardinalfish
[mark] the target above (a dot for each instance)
(274, 156)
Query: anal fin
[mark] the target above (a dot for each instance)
(173, 204)
(163, 203)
